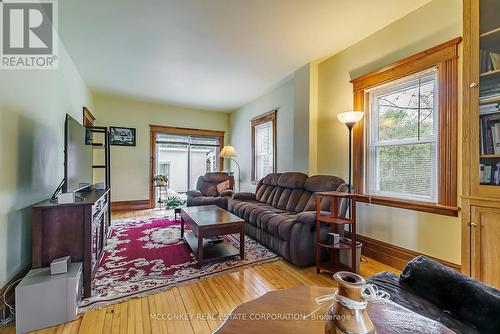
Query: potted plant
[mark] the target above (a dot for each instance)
(160, 180)
(173, 200)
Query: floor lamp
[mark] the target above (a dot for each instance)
(229, 152)
(350, 118)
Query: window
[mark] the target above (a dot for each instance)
(403, 138)
(405, 149)
(187, 157)
(183, 155)
(263, 146)
(164, 169)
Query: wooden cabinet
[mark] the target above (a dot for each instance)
(78, 230)
(485, 246)
(481, 144)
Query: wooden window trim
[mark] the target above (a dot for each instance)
(269, 117)
(154, 129)
(445, 58)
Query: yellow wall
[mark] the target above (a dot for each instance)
(293, 135)
(33, 106)
(432, 24)
(130, 166)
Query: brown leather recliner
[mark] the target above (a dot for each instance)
(206, 192)
(281, 214)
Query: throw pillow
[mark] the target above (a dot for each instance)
(223, 186)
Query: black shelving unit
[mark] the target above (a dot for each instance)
(104, 147)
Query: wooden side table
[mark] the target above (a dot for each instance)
(337, 224)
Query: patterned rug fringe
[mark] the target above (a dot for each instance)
(100, 305)
(136, 248)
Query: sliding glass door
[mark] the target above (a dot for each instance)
(203, 157)
(183, 158)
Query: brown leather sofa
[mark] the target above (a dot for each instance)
(281, 214)
(206, 192)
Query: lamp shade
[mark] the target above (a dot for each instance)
(351, 117)
(228, 152)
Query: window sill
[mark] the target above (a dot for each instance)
(410, 205)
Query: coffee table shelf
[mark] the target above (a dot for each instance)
(207, 222)
(211, 250)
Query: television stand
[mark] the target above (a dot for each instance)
(77, 229)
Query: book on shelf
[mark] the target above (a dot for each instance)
(490, 133)
(484, 173)
(491, 98)
(489, 108)
(496, 174)
(489, 173)
(485, 64)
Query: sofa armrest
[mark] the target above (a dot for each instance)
(467, 299)
(226, 193)
(244, 196)
(194, 193)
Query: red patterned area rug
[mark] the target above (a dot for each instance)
(146, 255)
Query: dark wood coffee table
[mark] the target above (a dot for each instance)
(207, 222)
(283, 311)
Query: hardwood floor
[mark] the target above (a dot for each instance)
(197, 307)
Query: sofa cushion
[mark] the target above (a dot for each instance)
(266, 186)
(236, 206)
(293, 180)
(261, 213)
(322, 183)
(294, 199)
(276, 197)
(259, 190)
(264, 193)
(255, 213)
(302, 202)
(271, 222)
(271, 179)
(258, 210)
(318, 183)
(223, 186)
(274, 194)
(274, 225)
(283, 199)
(247, 211)
(215, 177)
(209, 189)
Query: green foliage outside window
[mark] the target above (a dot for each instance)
(406, 114)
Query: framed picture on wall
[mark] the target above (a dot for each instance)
(121, 136)
(88, 137)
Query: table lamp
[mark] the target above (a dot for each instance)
(229, 152)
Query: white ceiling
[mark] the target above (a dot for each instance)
(211, 54)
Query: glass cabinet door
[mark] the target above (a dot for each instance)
(489, 92)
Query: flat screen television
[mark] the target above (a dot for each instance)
(77, 156)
